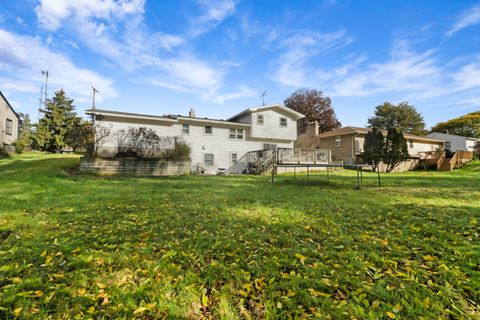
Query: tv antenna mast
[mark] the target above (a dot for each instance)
(45, 73)
(263, 97)
(94, 91)
(44, 93)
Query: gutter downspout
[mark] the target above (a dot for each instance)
(354, 154)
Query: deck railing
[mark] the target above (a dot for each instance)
(303, 156)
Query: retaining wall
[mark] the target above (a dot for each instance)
(134, 166)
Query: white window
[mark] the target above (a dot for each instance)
(185, 128)
(338, 141)
(239, 134)
(232, 134)
(269, 146)
(208, 130)
(260, 119)
(208, 159)
(233, 158)
(411, 144)
(236, 134)
(283, 122)
(9, 127)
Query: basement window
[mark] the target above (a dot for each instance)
(208, 159)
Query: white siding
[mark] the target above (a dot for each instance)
(422, 147)
(412, 150)
(7, 113)
(219, 143)
(271, 128)
(456, 142)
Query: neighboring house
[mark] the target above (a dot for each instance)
(454, 142)
(346, 143)
(9, 122)
(215, 144)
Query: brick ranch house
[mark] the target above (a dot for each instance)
(346, 145)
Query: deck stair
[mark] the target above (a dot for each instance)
(443, 163)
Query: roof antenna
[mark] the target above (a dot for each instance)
(93, 97)
(263, 97)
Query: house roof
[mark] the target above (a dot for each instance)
(453, 135)
(295, 114)
(8, 103)
(165, 118)
(361, 130)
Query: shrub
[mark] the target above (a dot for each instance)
(146, 143)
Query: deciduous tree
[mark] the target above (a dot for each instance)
(467, 125)
(316, 107)
(403, 116)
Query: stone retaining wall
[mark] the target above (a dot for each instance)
(134, 166)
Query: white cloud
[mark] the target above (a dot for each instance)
(468, 18)
(242, 93)
(404, 71)
(19, 86)
(51, 13)
(215, 13)
(469, 76)
(116, 30)
(291, 67)
(22, 58)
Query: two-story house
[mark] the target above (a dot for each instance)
(9, 122)
(215, 144)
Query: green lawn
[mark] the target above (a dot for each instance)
(76, 246)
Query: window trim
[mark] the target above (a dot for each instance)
(9, 127)
(338, 145)
(235, 133)
(262, 122)
(205, 131)
(205, 160)
(188, 128)
(286, 122)
(231, 158)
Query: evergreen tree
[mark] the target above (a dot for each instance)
(58, 119)
(395, 150)
(25, 133)
(373, 146)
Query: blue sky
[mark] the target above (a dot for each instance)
(218, 56)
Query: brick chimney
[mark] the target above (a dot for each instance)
(312, 128)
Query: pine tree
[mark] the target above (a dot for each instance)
(25, 133)
(373, 147)
(58, 119)
(395, 150)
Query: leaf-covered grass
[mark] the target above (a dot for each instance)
(76, 246)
